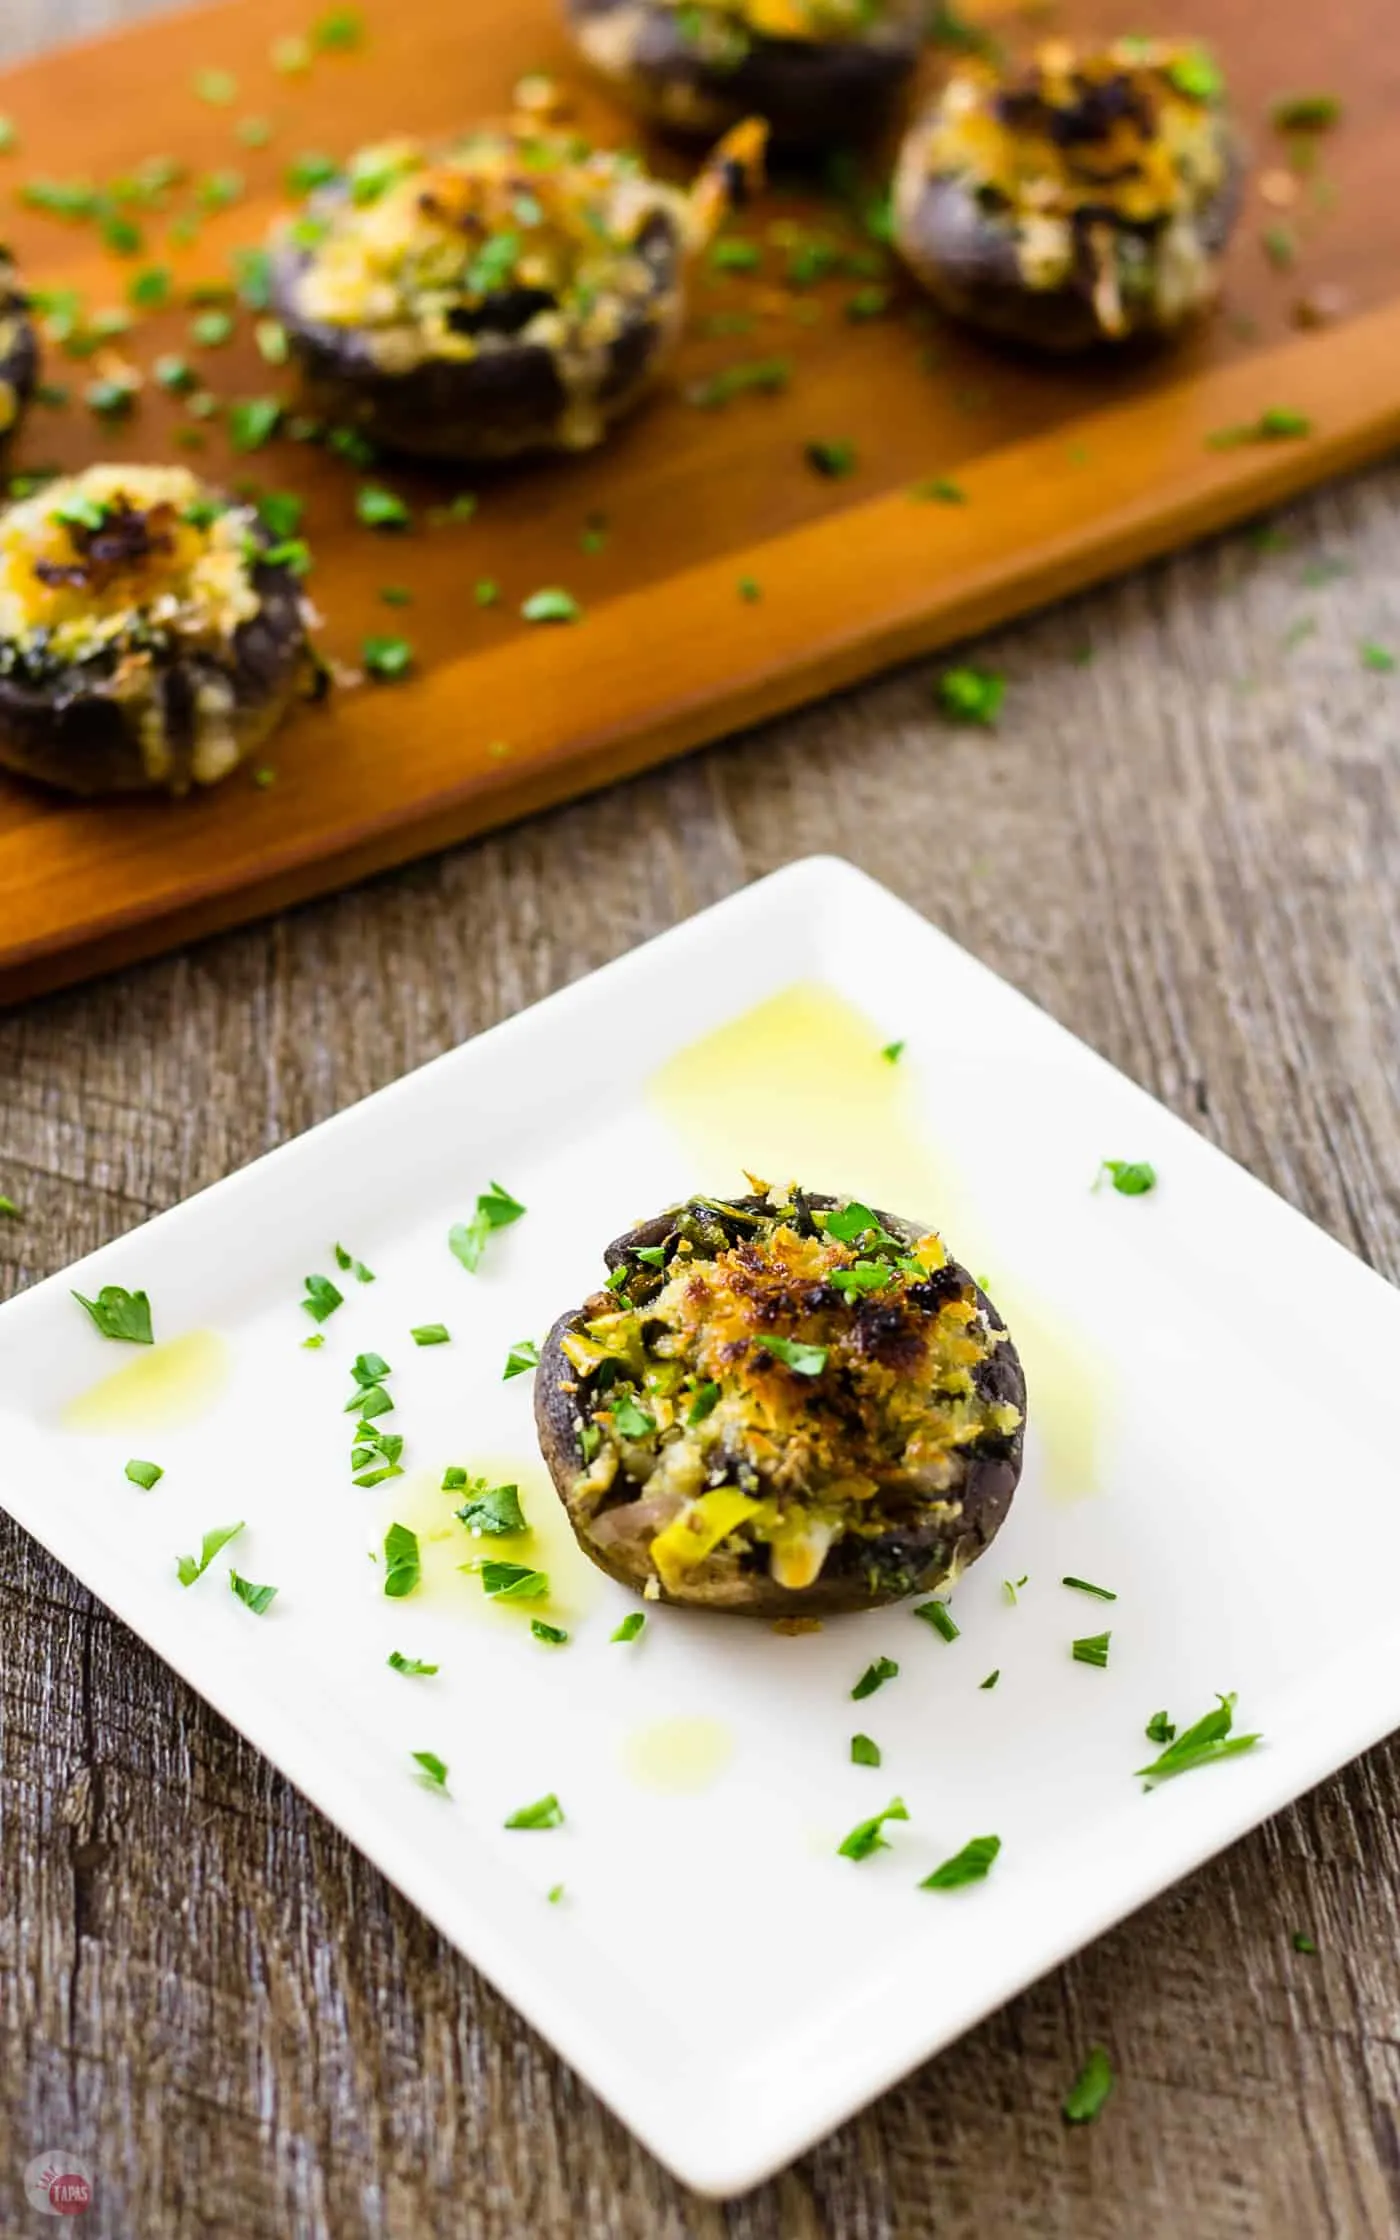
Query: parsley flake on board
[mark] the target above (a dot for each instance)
(190, 1568)
(765, 376)
(939, 489)
(495, 1209)
(433, 1773)
(257, 1599)
(523, 1355)
(864, 1752)
(551, 605)
(492, 1509)
(546, 1812)
(972, 1864)
(412, 1665)
(1305, 112)
(1377, 658)
(1208, 1740)
(381, 509)
(253, 421)
(1278, 424)
(1131, 1178)
(120, 1314)
(834, 458)
(1302, 1942)
(874, 1676)
(386, 658)
(431, 1334)
(144, 1474)
(940, 1617)
(9, 1211)
(866, 1838)
(1090, 2089)
(403, 1570)
(971, 695)
(630, 1627)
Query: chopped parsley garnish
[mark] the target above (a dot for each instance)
(1302, 1942)
(1159, 1729)
(866, 1275)
(651, 1255)
(317, 1338)
(307, 172)
(191, 1568)
(110, 398)
(257, 1599)
(374, 1458)
(218, 189)
(856, 1224)
(412, 1665)
(735, 256)
(455, 1479)
(150, 290)
(1092, 1648)
(805, 1360)
(322, 1298)
(253, 132)
(217, 87)
(433, 1773)
(1276, 425)
(765, 375)
(874, 1676)
(1090, 2089)
(346, 1261)
(387, 658)
(546, 1812)
(1131, 1178)
(864, 1752)
(252, 272)
(523, 1355)
(512, 1582)
(431, 1334)
(892, 1053)
(1280, 246)
(174, 373)
(381, 509)
(555, 1896)
(940, 1617)
(554, 1635)
(971, 695)
(9, 137)
(1086, 1586)
(972, 1864)
(493, 1509)
(865, 1838)
(630, 1627)
(704, 1404)
(1305, 112)
(551, 605)
(1198, 75)
(403, 1570)
(280, 512)
(120, 1314)
(211, 328)
(940, 490)
(371, 1401)
(9, 1211)
(750, 590)
(867, 303)
(253, 421)
(631, 1420)
(1209, 1739)
(144, 1474)
(395, 595)
(991, 1679)
(271, 338)
(834, 457)
(369, 1368)
(1377, 657)
(495, 1209)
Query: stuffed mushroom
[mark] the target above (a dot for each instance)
(1084, 199)
(782, 1406)
(19, 349)
(151, 635)
(516, 292)
(822, 72)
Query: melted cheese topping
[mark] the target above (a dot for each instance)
(186, 578)
(789, 1460)
(1130, 133)
(426, 241)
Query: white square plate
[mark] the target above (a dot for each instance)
(1207, 1376)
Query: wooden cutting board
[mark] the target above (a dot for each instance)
(1070, 472)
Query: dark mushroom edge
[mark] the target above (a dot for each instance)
(1087, 197)
(517, 291)
(875, 1455)
(822, 73)
(151, 635)
(19, 349)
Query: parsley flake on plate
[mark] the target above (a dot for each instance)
(866, 1838)
(144, 1474)
(523, 1355)
(347, 1263)
(120, 1314)
(433, 1773)
(555, 1635)
(492, 1509)
(412, 1665)
(190, 1568)
(1091, 1649)
(940, 1617)
(630, 1627)
(495, 1209)
(874, 1676)
(971, 695)
(322, 1298)
(1086, 1586)
(1131, 1178)
(1090, 2089)
(403, 1570)
(546, 1812)
(257, 1599)
(1159, 1729)
(431, 1334)
(1209, 1739)
(864, 1752)
(893, 1052)
(972, 1864)
(511, 1582)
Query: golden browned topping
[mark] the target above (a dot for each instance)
(789, 1375)
(1129, 131)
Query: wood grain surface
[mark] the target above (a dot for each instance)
(1072, 471)
(1183, 840)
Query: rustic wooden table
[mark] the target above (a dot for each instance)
(1187, 847)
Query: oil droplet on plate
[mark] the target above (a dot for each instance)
(165, 1386)
(796, 1090)
(445, 1545)
(679, 1757)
